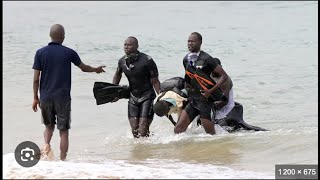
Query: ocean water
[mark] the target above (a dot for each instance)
(269, 49)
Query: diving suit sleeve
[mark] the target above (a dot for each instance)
(152, 68)
(212, 63)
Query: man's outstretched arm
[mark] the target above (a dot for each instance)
(87, 68)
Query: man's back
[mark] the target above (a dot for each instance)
(54, 62)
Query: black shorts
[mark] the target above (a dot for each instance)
(60, 110)
(142, 109)
(198, 106)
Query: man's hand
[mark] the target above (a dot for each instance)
(99, 69)
(220, 104)
(35, 103)
(205, 93)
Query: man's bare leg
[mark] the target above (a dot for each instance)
(48, 132)
(64, 143)
(208, 126)
(134, 123)
(144, 127)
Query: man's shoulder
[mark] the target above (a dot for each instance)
(145, 56)
(43, 48)
(47, 47)
(185, 57)
(122, 58)
(205, 55)
(68, 49)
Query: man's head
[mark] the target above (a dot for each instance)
(57, 33)
(161, 108)
(131, 45)
(194, 42)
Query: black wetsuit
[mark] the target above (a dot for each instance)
(139, 69)
(198, 104)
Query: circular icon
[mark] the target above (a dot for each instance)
(27, 154)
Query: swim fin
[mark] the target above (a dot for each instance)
(106, 92)
(235, 119)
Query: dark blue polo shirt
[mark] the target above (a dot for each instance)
(54, 62)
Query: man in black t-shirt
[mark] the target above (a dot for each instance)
(199, 102)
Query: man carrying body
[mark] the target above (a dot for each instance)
(142, 74)
(52, 69)
(199, 100)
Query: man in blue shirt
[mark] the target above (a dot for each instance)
(52, 70)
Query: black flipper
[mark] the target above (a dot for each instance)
(235, 119)
(246, 126)
(106, 92)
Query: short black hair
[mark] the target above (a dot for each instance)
(198, 34)
(161, 108)
(135, 39)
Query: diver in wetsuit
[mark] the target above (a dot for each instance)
(199, 104)
(142, 74)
